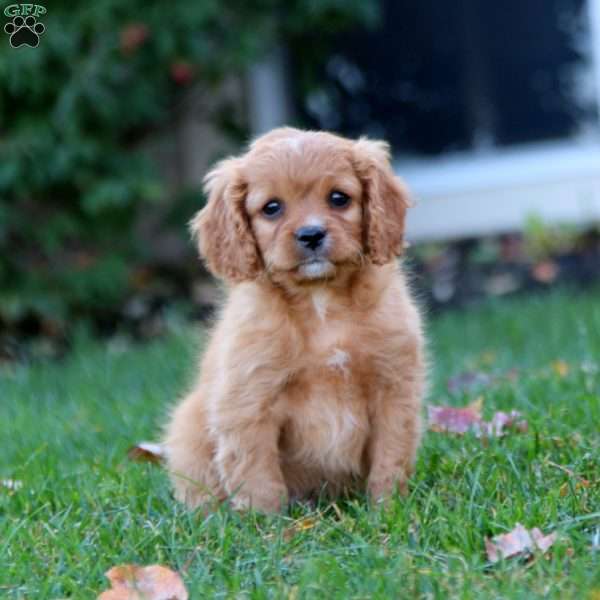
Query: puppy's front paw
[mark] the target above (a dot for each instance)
(381, 489)
(268, 499)
(195, 495)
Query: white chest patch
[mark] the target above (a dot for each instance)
(320, 303)
(339, 360)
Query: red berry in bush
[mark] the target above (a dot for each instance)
(182, 72)
(133, 36)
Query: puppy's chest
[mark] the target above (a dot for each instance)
(326, 403)
(326, 422)
(332, 353)
(335, 351)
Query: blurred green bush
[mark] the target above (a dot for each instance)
(74, 111)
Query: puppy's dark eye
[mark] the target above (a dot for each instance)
(339, 199)
(273, 208)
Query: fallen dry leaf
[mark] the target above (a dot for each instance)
(11, 484)
(581, 482)
(500, 422)
(516, 542)
(132, 582)
(147, 452)
(299, 526)
(449, 419)
(565, 487)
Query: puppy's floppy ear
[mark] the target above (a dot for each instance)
(222, 229)
(385, 201)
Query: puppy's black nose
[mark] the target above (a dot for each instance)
(311, 237)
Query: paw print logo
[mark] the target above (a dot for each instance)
(24, 32)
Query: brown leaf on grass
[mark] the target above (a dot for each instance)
(298, 527)
(581, 482)
(500, 422)
(132, 582)
(543, 542)
(147, 452)
(517, 542)
(565, 488)
(449, 419)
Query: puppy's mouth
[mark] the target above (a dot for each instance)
(316, 268)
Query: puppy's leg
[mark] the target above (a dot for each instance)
(395, 436)
(190, 455)
(247, 457)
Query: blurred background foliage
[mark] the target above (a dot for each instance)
(93, 219)
(76, 112)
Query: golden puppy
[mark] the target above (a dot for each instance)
(314, 373)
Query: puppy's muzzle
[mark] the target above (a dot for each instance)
(311, 239)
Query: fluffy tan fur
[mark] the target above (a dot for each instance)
(313, 376)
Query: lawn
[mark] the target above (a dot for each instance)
(84, 507)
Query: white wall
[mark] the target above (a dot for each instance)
(471, 195)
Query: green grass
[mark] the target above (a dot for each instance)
(65, 429)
